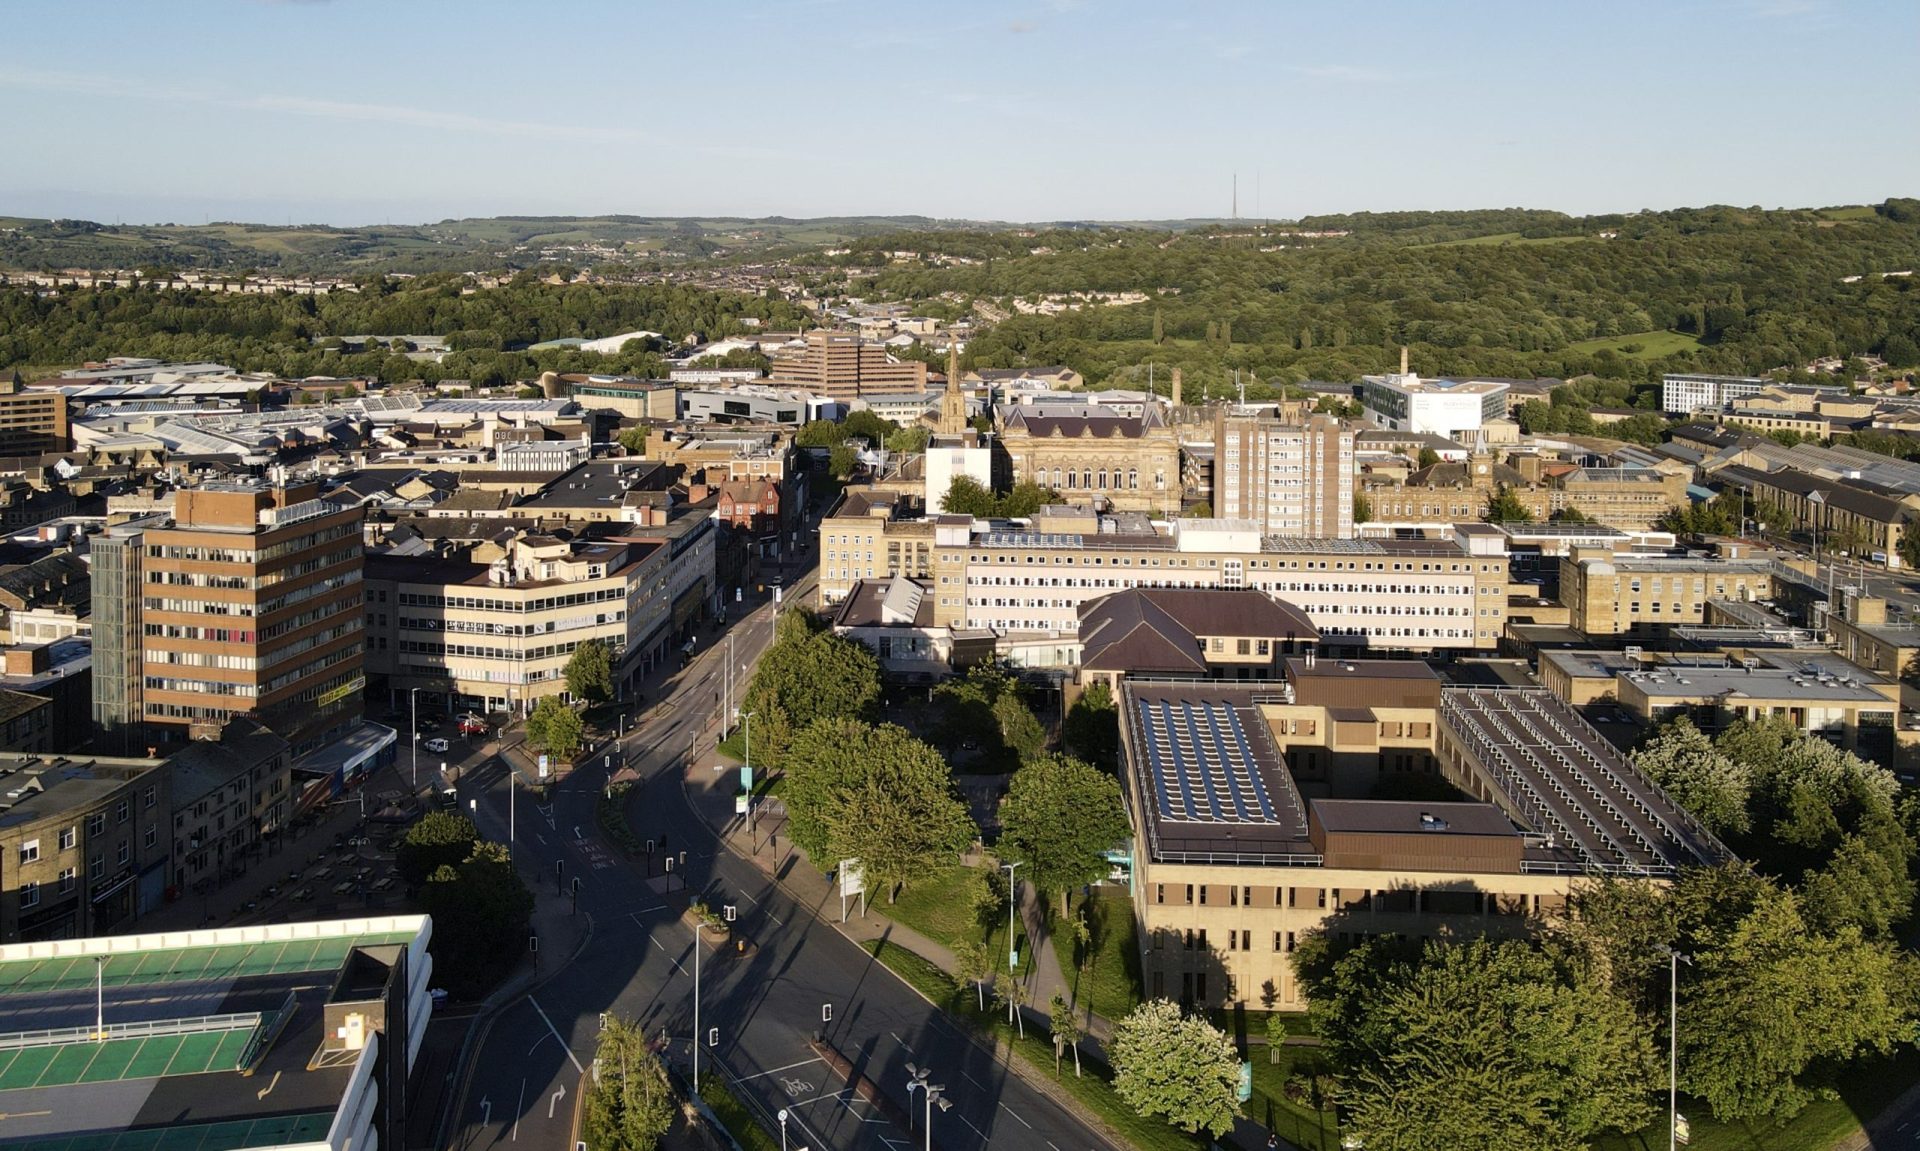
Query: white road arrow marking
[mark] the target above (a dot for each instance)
(555, 1101)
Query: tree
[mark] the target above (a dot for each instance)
(1091, 730)
(863, 424)
(1059, 820)
(1362, 508)
(590, 672)
(973, 963)
(875, 794)
(1713, 787)
(1427, 458)
(841, 461)
(807, 675)
(1570, 515)
(1008, 989)
(634, 440)
(1503, 506)
(1183, 1069)
(966, 496)
(819, 434)
(1027, 498)
(440, 839)
(1774, 1002)
(555, 728)
(909, 440)
(1066, 1033)
(1498, 1045)
(629, 1104)
(1020, 732)
(480, 911)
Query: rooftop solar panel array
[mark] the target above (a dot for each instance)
(1203, 769)
(1568, 783)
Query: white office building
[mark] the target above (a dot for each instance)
(1456, 409)
(1682, 394)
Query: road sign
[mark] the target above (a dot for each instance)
(1245, 1091)
(543, 767)
(746, 779)
(1682, 1130)
(740, 805)
(853, 878)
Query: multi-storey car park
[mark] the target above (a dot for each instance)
(242, 1039)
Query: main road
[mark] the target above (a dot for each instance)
(760, 1008)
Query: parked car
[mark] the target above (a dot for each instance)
(473, 725)
(437, 745)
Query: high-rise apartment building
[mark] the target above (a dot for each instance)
(246, 601)
(844, 366)
(1291, 479)
(32, 422)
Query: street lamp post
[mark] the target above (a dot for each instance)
(1674, 958)
(696, 1004)
(783, 1129)
(747, 719)
(1013, 945)
(413, 699)
(932, 1093)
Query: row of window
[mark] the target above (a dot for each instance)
(513, 606)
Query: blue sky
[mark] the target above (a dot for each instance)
(370, 111)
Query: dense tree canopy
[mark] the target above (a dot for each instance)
(1059, 819)
(875, 794)
(1503, 1046)
(807, 675)
(1175, 1066)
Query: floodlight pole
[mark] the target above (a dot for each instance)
(1673, 1043)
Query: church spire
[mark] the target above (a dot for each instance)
(953, 404)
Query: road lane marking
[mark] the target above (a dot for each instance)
(556, 1035)
(521, 1106)
(553, 1102)
(777, 1070)
(670, 959)
(1016, 1115)
(901, 1042)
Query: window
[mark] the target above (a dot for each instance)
(1203, 895)
(1159, 893)
(152, 836)
(121, 810)
(96, 823)
(149, 797)
(29, 894)
(1189, 893)
(66, 839)
(29, 850)
(1277, 937)
(1244, 646)
(1289, 943)
(125, 853)
(66, 880)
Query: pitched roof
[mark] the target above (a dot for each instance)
(1158, 630)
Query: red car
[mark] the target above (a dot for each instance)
(473, 725)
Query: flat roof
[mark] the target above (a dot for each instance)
(1407, 817)
(183, 1012)
(1211, 780)
(1677, 682)
(1563, 781)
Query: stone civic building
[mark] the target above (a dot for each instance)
(1130, 462)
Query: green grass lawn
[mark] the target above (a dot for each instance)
(939, 909)
(735, 1117)
(1650, 345)
(1869, 1087)
(1111, 981)
(1298, 1122)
